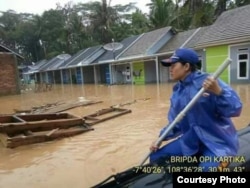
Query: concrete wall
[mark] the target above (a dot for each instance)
(150, 72)
(9, 78)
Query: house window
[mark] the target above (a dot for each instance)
(242, 67)
(200, 65)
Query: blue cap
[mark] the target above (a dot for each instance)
(182, 55)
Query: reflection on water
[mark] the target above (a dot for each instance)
(114, 145)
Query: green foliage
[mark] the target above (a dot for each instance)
(162, 13)
(70, 28)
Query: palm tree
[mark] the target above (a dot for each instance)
(162, 13)
(192, 14)
(98, 18)
(101, 18)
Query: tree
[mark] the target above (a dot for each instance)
(8, 24)
(140, 22)
(220, 7)
(70, 28)
(162, 13)
(100, 18)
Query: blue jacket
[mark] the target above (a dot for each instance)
(208, 121)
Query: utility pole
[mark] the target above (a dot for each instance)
(42, 44)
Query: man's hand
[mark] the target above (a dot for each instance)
(211, 84)
(154, 147)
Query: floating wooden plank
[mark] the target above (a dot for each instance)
(56, 107)
(51, 132)
(49, 116)
(10, 119)
(40, 122)
(66, 106)
(38, 137)
(37, 108)
(104, 114)
(128, 103)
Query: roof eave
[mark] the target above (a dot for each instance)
(223, 42)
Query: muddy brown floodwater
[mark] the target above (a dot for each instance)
(115, 145)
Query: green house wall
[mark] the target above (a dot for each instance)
(215, 56)
(138, 73)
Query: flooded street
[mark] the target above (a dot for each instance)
(115, 145)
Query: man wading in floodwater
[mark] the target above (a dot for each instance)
(206, 129)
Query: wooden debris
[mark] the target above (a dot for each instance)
(17, 130)
(28, 132)
(52, 131)
(23, 129)
(56, 107)
(104, 114)
(128, 103)
(42, 137)
(37, 108)
(67, 106)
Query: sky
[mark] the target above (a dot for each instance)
(39, 6)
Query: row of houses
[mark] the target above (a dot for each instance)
(137, 59)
